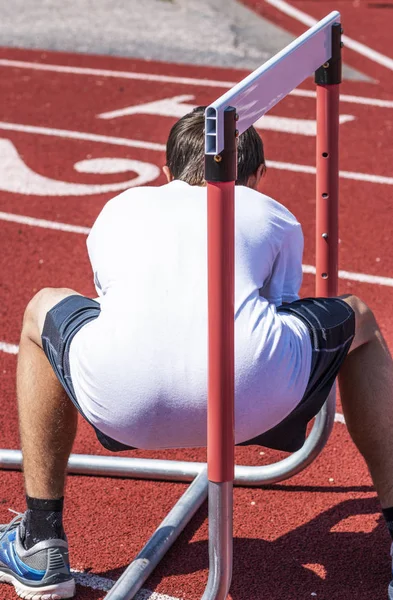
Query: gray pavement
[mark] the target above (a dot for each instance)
(203, 32)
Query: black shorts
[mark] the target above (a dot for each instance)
(330, 321)
(62, 322)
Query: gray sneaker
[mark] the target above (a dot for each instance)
(41, 573)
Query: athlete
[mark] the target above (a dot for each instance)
(133, 361)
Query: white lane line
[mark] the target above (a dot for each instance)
(306, 19)
(366, 177)
(360, 277)
(172, 79)
(9, 348)
(309, 269)
(339, 418)
(81, 135)
(92, 137)
(96, 582)
(24, 220)
(109, 73)
(373, 279)
(144, 594)
(104, 584)
(348, 98)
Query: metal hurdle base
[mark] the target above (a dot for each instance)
(169, 530)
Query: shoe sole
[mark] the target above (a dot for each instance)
(59, 591)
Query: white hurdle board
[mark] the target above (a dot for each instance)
(267, 85)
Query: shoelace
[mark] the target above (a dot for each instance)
(13, 524)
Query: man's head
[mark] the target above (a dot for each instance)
(185, 152)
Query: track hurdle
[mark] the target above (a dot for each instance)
(319, 51)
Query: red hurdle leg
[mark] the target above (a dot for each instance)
(328, 79)
(220, 174)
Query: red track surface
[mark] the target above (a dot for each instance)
(318, 535)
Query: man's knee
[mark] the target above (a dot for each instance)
(38, 307)
(366, 325)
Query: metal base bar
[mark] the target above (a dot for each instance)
(220, 540)
(172, 470)
(220, 501)
(165, 535)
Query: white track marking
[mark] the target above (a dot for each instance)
(294, 126)
(80, 135)
(96, 582)
(148, 595)
(373, 279)
(348, 98)
(178, 106)
(17, 177)
(12, 218)
(272, 164)
(177, 80)
(104, 584)
(308, 269)
(144, 594)
(360, 277)
(105, 165)
(366, 177)
(9, 348)
(306, 19)
(339, 418)
(18, 64)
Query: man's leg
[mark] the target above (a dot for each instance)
(366, 389)
(47, 417)
(34, 556)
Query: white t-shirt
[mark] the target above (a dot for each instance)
(140, 369)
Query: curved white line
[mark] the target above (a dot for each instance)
(17, 177)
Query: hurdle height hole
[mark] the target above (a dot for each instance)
(325, 154)
(324, 276)
(325, 195)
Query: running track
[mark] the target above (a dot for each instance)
(318, 535)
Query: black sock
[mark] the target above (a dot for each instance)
(388, 514)
(43, 520)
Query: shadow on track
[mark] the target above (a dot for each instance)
(312, 561)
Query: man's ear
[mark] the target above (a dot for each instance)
(254, 180)
(260, 173)
(168, 174)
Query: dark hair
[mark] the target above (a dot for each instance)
(185, 150)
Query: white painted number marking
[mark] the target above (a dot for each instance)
(17, 177)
